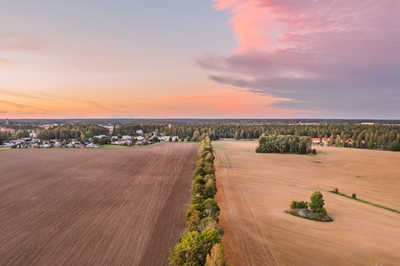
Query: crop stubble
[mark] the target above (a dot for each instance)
(255, 189)
(94, 207)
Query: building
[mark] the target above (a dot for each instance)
(6, 121)
(6, 129)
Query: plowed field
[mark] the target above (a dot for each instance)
(94, 206)
(254, 190)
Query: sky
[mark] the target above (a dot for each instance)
(200, 59)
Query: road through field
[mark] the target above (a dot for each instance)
(254, 190)
(94, 207)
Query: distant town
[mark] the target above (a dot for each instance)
(31, 138)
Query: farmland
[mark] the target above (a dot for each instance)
(94, 206)
(254, 190)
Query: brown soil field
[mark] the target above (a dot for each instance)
(254, 190)
(94, 206)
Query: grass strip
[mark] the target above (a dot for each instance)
(367, 202)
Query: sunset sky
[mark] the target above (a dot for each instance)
(200, 59)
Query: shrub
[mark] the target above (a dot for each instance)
(336, 190)
(314, 151)
(354, 196)
(299, 205)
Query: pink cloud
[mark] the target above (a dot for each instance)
(4, 62)
(320, 54)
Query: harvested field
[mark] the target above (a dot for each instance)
(254, 190)
(94, 206)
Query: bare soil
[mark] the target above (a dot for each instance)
(94, 206)
(254, 190)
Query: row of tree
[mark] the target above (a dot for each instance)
(201, 244)
(284, 144)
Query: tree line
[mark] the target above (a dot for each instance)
(201, 244)
(385, 137)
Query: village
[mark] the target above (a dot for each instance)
(32, 142)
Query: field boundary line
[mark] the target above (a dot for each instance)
(365, 201)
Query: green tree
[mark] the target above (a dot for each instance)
(317, 203)
(184, 252)
(394, 146)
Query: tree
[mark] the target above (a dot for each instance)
(317, 203)
(299, 205)
(237, 137)
(394, 146)
(217, 256)
(338, 141)
(185, 251)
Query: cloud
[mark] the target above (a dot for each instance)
(18, 42)
(342, 58)
(22, 106)
(20, 94)
(3, 112)
(4, 62)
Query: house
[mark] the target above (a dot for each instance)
(58, 144)
(316, 141)
(320, 141)
(119, 142)
(166, 138)
(91, 145)
(140, 132)
(126, 137)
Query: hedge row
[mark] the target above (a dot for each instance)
(201, 244)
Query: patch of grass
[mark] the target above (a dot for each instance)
(5, 148)
(109, 146)
(367, 202)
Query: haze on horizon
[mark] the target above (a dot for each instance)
(200, 59)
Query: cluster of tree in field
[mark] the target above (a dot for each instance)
(201, 244)
(316, 204)
(284, 144)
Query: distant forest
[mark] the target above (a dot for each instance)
(383, 135)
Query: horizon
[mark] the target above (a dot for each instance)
(201, 118)
(215, 59)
